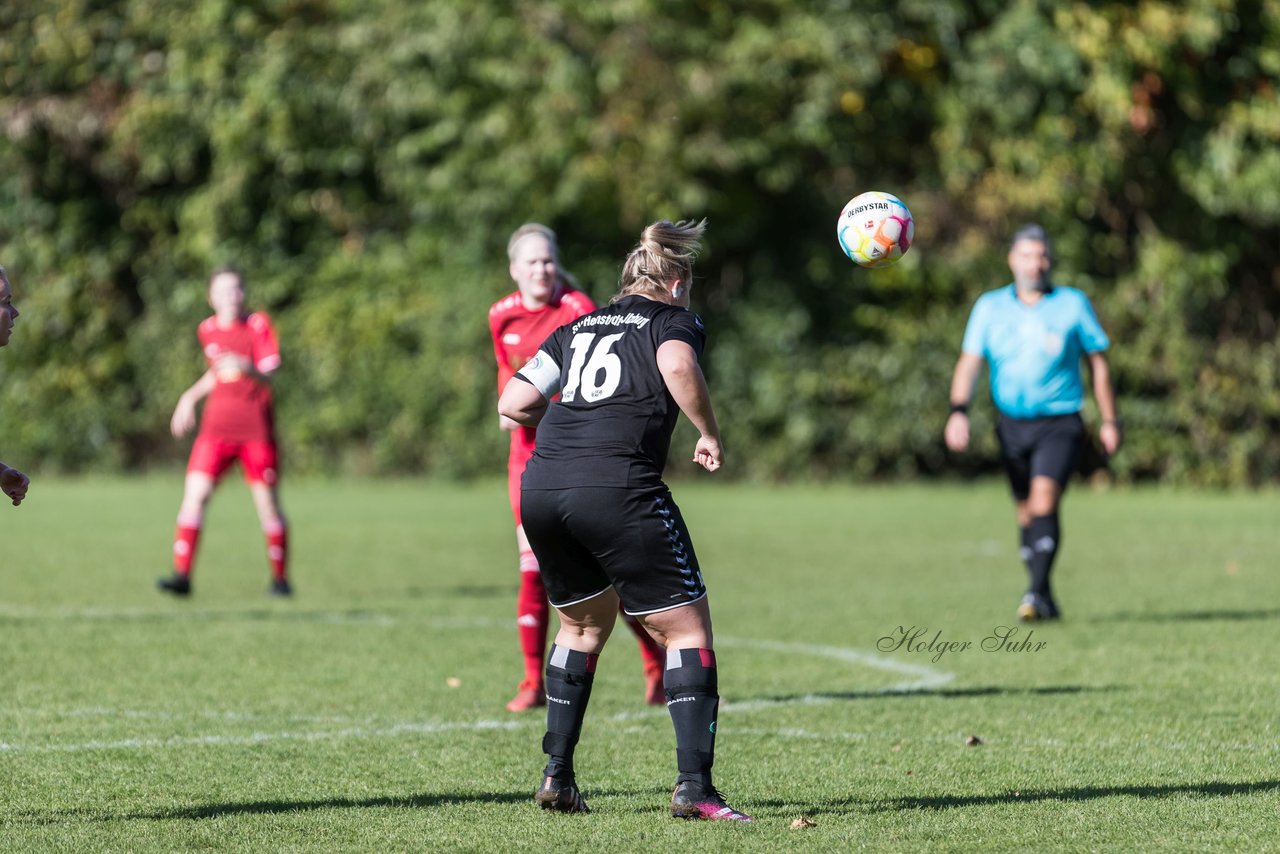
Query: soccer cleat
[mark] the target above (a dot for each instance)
(654, 692)
(693, 801)
(561, 797)
(529, 696)
(177, 584)
(1036, 607)
(280, 587)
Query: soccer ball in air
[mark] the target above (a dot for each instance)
(875, 229)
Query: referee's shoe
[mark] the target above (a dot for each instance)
(1036, 607)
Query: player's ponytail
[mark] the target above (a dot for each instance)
(666, 251)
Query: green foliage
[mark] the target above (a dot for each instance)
(364, 162)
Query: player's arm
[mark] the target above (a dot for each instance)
(678, 364)
(13, 483)
(1111, 433)
(963, 381)
(522, 403)
(526, 396)
(184, 414)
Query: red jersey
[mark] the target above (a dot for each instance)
(518, 332)
(240, 410)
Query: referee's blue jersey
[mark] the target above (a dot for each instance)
(1034, 350)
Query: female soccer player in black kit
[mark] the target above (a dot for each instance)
(601, 521)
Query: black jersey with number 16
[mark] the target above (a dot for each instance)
(612, 424)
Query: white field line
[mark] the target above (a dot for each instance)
(923, 677)
(152, 714)
(958, 738)
(364, 618)
(395, 731)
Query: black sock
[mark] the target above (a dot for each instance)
(692, 700)
(569, 677)
(1045, 538)
(1024, 550)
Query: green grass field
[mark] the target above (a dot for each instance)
(366, 714)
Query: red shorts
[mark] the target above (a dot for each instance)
(521, 451)
(213, 456)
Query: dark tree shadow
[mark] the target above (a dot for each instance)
(461, 591)
(850, 806)
(1082, 793)
(426, 800)
(980, 691)
(1190, 616)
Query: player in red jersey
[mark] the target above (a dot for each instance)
(241, 352)
(544, 300)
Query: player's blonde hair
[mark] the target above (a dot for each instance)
(227, 270)
(666, 251)
(4, 275)
(537, 229)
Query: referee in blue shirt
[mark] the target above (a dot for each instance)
(1033, 334)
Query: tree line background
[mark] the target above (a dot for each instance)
(365, 160)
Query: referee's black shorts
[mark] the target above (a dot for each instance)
(588, 539)
(1039, 447)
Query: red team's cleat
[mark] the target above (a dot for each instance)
(530, 695)
(655, 693)
(692, 801)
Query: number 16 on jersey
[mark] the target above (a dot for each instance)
(593, 369)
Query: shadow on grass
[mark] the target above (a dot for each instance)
(908, 693)
(1190, 616)
(462, 591)
(1082, 793)
(426, 800)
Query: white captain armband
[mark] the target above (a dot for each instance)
(542, 373)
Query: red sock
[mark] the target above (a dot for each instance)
(278, 551)
(653, 655)
(531, 618)
(185, 539)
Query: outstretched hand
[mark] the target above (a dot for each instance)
(184, 418)
(708, 453)
(956, 432)
(1111, 437)
(14, 484)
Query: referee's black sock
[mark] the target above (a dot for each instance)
(569, 677)
(1045, 538)
(692, 700)
(1024, 549)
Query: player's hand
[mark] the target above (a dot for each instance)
(708, 453)
(1111, 437)
(957, 432)
(231, 367)
(184, 418)
(14, 484)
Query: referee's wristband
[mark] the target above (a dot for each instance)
(1118, 423)
(962, 408)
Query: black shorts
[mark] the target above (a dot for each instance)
(1039, 447)
(588, 539)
